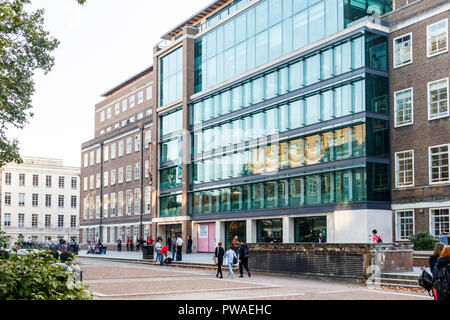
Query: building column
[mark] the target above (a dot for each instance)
(220, 232)
(288, 230)
(251, 230)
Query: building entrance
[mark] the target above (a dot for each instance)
(171, 229)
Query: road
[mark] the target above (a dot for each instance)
(130, 281)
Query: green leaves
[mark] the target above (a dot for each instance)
(24, 48)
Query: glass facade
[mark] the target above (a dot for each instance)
(171, 122)
(170, 206)
(232, 229)
(307, 229)
(168, 179)
(274, 226)
(269, 30)
(328, 63)
(337, 186)
(171, 77)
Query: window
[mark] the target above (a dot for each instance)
(120, 175)
(60, 221)
(132, 102)
(439, 221)
(85, 208)
(74, 182)
(437, 38)
(48, 181)
(7, 220)
(73, 221)
(98, 156)
(91, 182)
(119, 203)
(97, 181)
(21, 199)
(128, 174)
(8, 178)
(117, 109)
(91, 207)
(113, 177)
(403, 50)
(404, 169)
(97, 206)
(73, 202)
(146, 168)
(113, 204)
(48, 200)
(86, 160)
(35, 200)
(7, 198)
(48, 219)
(61, 201)
(21, 220)
(140, 97)
(439, 165)
(61, 182)
(120, 148)
(85, 184)
(105, 178)
(34, 220)
(102, 116)
(128, 202)
(21, 179)
(147, 138)
(106, 153)
(124, 105)
(35, 180)
(105, 205)
(91, 158)
(137, 201)
(108, 113)
(149, 92)
(113, 151)
(137, 143)
(438, 99)
(404, 224)
(129, 142)
(137, 171)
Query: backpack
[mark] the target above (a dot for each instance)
(441, 279)
(379, 239)
(246, 252)
(426, 281)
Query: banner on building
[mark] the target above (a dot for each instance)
(180, 159)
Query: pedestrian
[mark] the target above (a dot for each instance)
(173, 242)
(131, 243)
(189, 245)
(47, 244)
(163, 254)
(119, 245)
(269, 238)
(376, 237)
(218, 254)
(169, 243)
(438, 247)
(244, 254)
(231, 257)
(179, 246)
(236, 244)
(441, 275)
(128, 243)
(320, 238)
(149, 240)
(158, 247)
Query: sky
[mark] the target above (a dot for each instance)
(103, 43)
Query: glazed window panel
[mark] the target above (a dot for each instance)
(313, 190)
(312, 150)
(262, 48)
(296, 153)
(300, 30)
(296, 75)
(404, 169)
(438, 99)
(403, 105)
(403, 50)
(437, 38)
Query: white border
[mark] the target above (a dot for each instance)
(396, 170)
(429, 164)
(429, 216)
(428, 99)
(393, 53)
(412, 108)
(446, 35)
(396, 223)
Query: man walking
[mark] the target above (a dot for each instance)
(119, 245)
(179, 244)
(158, 247)
(244, 254)
(174, 246)
(189, 245)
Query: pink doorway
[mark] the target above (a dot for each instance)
(206, 233)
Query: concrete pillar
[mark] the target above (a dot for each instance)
(288, 230)
(220, 232)
(250, 231)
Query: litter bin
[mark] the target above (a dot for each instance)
(147, 252)
(102, 250)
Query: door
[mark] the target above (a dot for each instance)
(206, 237)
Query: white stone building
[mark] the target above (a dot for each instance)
(40, 200)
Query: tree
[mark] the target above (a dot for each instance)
(25, 47)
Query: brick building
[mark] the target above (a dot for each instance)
(420, 123)
(115, 171)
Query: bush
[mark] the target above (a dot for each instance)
(423, 241)
(55, 254)
(66, 256)
(34, 277)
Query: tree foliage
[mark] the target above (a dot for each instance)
(25, 47)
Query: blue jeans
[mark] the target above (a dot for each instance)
(174, 252)
(158, 253)
(161, 256)
(230, 268)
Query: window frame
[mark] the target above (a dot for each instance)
(393, 53)
(429, 102)
(430, 217)
(428, 42)
(429, 164)
(396, 125)
(397, 236)
(396, 171)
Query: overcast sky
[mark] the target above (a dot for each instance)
(103, 43)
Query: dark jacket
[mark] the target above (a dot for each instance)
(432, 262)
(442, 263)
(219, 253)
(244, 248)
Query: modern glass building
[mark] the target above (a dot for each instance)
(281, 124)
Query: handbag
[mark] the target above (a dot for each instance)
(426, 281)
(235, 260)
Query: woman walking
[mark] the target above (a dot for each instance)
(231, 257)
(219, 253)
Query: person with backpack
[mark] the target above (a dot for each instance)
(231, 257)
(244, 254)
(163, 254)
(218, 254)
(376, 237)
(441, 276)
